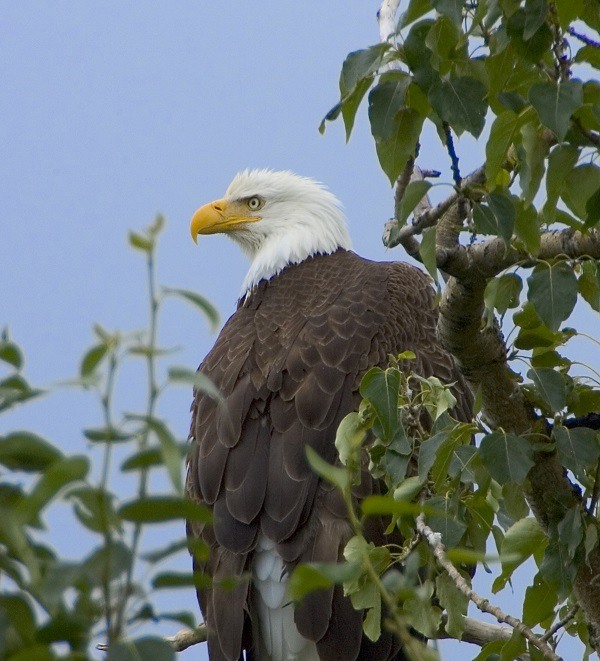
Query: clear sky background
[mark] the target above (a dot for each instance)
(111, 112)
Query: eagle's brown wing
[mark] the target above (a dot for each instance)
(288, 364)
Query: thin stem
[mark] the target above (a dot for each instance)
(411, 644)
(105, 524)
(434, 540)
(153, 391)
(561, 623)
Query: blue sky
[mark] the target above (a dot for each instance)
(114, 111)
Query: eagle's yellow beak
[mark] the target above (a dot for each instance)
(219, 216)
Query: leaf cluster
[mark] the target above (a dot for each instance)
(51, 607)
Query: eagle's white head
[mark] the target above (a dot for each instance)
(278, 218)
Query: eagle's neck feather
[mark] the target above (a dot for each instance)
(305, 233)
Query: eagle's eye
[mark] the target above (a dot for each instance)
(255, 203)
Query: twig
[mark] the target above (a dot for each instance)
(561, 623)
(559, 47)
(588, 41)
(180, 641)
(431, 217)
(453, 156)
(434, 540)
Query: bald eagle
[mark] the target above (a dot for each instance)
(312, 318)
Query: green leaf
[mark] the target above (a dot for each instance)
(349, 437)
(198, 301)
(169, 449)
(501, 205)
(20, 614)
(11, 354)
(372, 621)
(156, 509)
(551, 385)
(447, 453)
(506, 457)
(578, 449)
(386, 99)
(140, 242)
(27, 452)
(418, 56)
(540, 601)
(536, 12)
(57, 476)
(172, 579)
(522, 539)
(527, 227)
(591, 539)
(568, 11)
(416, 9)
(394, 152)
(15, 390)
(340, 477)
(555, 103)
(536, 46)
(461, 102)
(589, 54)
(351, 103)
(409, 488)
(487, 222)
(107, 435)
(514, 501)
(171, 549)
(581, 185)
(156, 649)
(94, 507)
(108, 562)
(589, 283)
(149, 457)
(502, 137)
(570, 530)
(561, 161)
(92, 358)
(453, 9)
(446, 521)
(428, 451)
(427, 252)
(558, 569)
(553, 292)
(454, 602)
(592, 208)
(443, 41)
(308, 577)
(200, 381)
(386, 505)
(503, 292)
(360, 64)
(532, 170)
(380, 388)
(414, 193)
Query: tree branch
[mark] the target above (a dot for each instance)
(180, 641)
(430, 217)
(386, 17)
(188, 637)
(476, 632)
(434, 541)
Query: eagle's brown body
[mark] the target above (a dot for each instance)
(288, 364)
